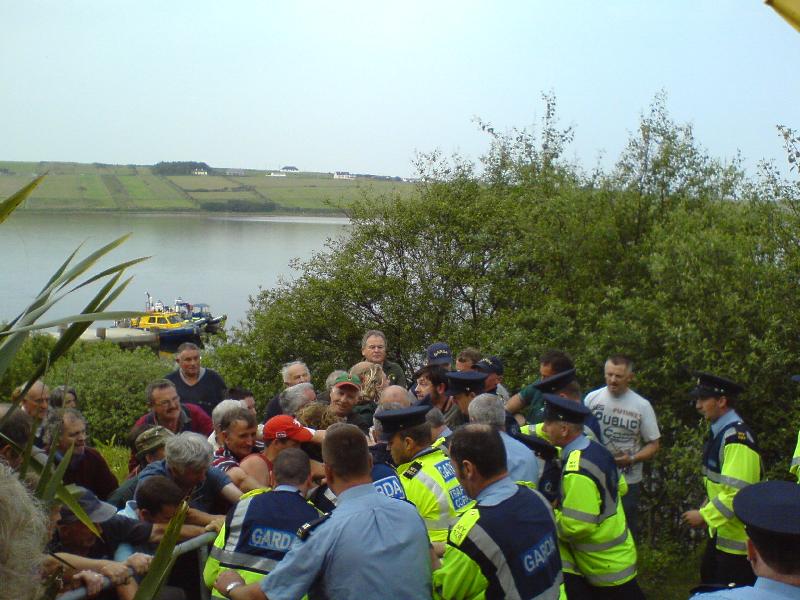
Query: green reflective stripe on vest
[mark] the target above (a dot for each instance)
(442, 500)
(727, 512)
(242, 560)
(237, 520)
(579, 515)
(603, 545)
(724, 479)
(486, 545)
(610, 577)
(723, 543)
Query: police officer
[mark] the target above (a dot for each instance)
(794, 468)
(462, 387)
(261, 528)
(598, 550)
(772, 523)
(564, 384)
(371, 546)
(426, 473)
(731, 462)
(506, 546)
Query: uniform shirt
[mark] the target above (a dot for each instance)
(520, 460)
(394, 373)
(627, 423)
(764, 589)
(209, 390)
(371, 546)
(202, 497)
(125, 549)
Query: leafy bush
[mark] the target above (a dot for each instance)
(110, 383)
(673, 257)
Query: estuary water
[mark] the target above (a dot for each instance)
(219, 260)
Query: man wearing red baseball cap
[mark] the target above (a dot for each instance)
(280, 432)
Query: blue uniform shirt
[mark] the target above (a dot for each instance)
(520, 460)
(371, 546)
(764, 589)
(579, 443)
(497, 492)
(725, 420)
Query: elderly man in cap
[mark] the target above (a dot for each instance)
(425, 472)
(506, 547)
(597, 549)
(731, 462)
(772, 523)
(344, 397)
(147, 443)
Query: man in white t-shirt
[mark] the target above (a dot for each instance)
(629, 428)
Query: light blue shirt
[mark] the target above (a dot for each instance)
(124, 550)
(764, 589)
(520, 460)
(725, 420)
(371, 546)
(579, 443)
(497, 492)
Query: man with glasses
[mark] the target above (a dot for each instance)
(167, 410)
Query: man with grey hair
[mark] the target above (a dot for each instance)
(373, 348)
(204, 387)
(65, 428)
(292, 373)
(324, 397)
(219, 412)
(187, 463)
(487, 409)
(293, 398)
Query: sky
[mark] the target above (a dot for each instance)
(365, 86)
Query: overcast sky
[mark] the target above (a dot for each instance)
(362, 86)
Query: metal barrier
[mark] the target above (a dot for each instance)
(197, 544)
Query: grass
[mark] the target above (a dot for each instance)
(82, 186)
(668, 573)
(116, 457)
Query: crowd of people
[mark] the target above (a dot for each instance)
(443, 486)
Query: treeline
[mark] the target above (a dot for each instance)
(180, 168)
(240, 206)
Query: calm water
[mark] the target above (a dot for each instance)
(214, 259)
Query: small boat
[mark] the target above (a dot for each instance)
(171, 328)
(200, 314)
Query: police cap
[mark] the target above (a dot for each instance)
(770, 507)
(490, 364)
(709, 385)
(464, 382)
(393, 421)
(558, 408)
(555, 383)
(439, 354)
(540, 446)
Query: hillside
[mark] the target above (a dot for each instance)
(78, 186)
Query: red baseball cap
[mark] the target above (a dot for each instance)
(286, 427)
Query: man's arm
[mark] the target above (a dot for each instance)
(231, 493)
(515, 404)
(242, 592)
(242, 480)
(647, 452)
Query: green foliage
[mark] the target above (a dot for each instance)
(110, 383)
(673, 257)
(115, 455)
(33, 352)
(180, 168)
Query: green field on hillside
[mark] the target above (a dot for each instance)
(83, 186)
